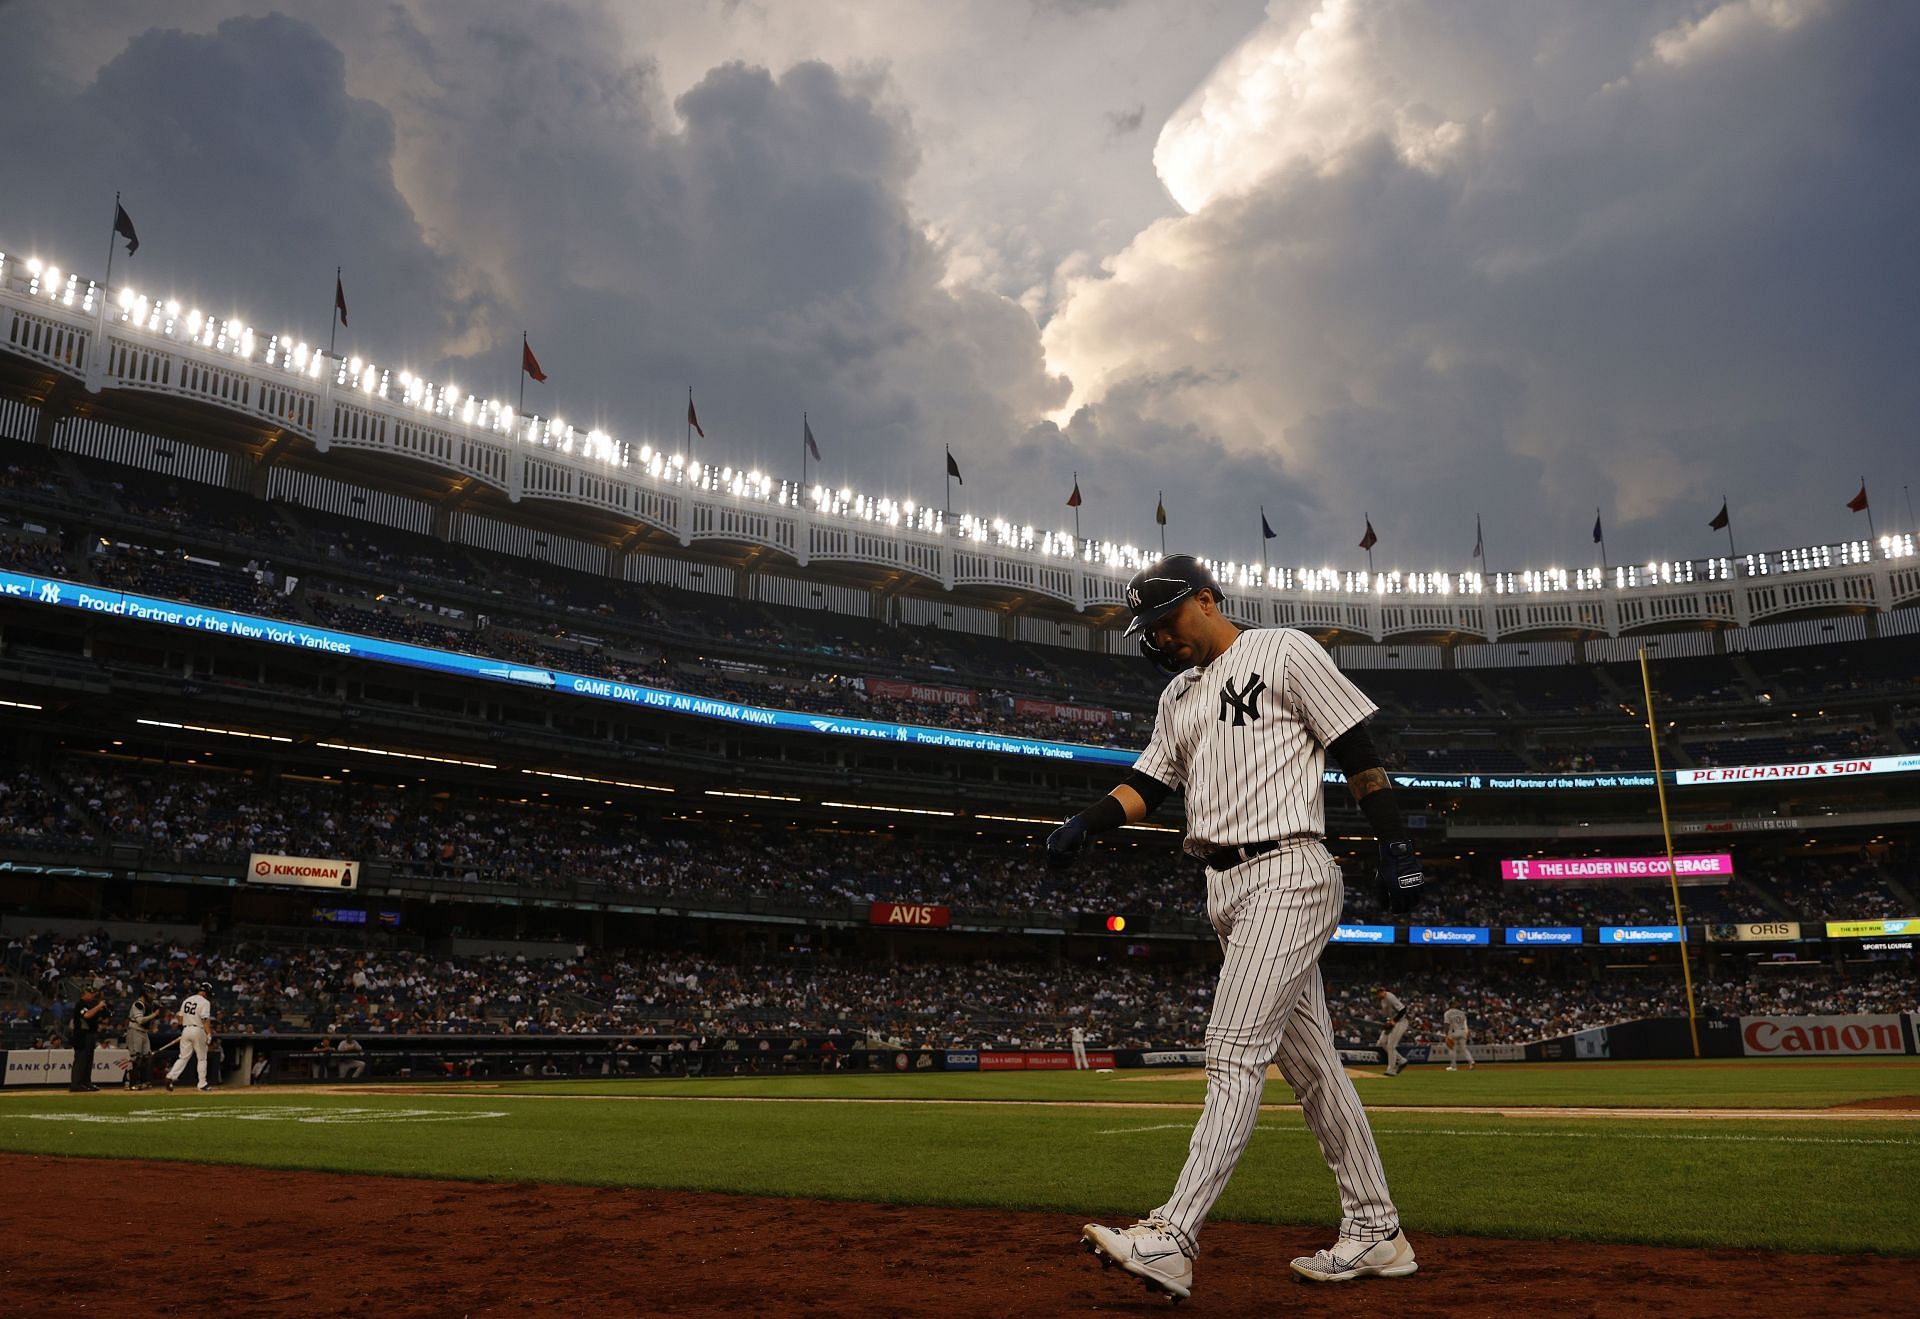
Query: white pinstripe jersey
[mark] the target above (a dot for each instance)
(1456, 1021)
(1246, 738)
(195, 1011)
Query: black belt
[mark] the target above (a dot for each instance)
(1226, 858)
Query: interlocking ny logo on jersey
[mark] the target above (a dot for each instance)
(1243, 701)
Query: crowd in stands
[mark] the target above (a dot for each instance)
(195, 816)
(412, 587)
(260, 989)
(31, 551)
(1518, 1005)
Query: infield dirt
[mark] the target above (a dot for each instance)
(145, 1238)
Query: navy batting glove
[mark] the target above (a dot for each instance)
(1064, 844)
(1401, 879)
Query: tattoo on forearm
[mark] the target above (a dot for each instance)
(1367, 782)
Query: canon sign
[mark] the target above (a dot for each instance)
(1772, 1037)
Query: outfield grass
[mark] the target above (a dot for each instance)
(1776, 1183)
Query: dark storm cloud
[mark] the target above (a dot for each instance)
(1689, 272)
(249, 170)
(1122, 122)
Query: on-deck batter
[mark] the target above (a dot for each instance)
(196, 1029)
(1243, 728)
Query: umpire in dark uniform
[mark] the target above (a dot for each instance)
(86, 1033)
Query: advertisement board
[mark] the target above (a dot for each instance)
(1779, 1037)
(1813, 769)
(55, 1067)
(925, 693)
(1174, 1058)
(1872, 929)
(1640, 934)
(1463, 935)
(1716, 865)
(1755, 932)
(1363, 934)
(303, 871)
(919, 914)
(1547, 934)
(1077, 714)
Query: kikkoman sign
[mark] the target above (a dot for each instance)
(302, 871)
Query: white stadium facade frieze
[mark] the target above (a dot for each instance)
(294, 414)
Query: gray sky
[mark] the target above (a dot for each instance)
(1422, 260)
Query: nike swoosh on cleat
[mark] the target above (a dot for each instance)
(1145, 1258)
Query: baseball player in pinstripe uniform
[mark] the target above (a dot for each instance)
(1244, 729)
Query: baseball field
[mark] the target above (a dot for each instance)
(1692, 1188)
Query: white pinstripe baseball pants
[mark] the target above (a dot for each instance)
(1274, 916)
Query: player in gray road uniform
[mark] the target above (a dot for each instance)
(1455, 1021)
(1395, 1025)
(1244, 728)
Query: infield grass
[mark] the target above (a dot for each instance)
(1823, 1185)
(1735, 1083)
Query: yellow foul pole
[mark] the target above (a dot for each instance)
(1666, 830)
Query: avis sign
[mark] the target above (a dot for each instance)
(1779, 1037)
(921, 914)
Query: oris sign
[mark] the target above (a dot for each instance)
(1777, 1037)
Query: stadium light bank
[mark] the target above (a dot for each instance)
(235, 338)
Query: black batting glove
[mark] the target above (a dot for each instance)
(1400, 877)
(1064, 844)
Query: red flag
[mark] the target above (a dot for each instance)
(339, 297)
(1369, 540)
(528, 362)
(1073, 500)
(693, 418)
(1859, 502)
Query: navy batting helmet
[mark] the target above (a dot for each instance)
(1157, 591)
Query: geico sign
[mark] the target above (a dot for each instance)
(1767, 1036)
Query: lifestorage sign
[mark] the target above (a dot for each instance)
(302, 871)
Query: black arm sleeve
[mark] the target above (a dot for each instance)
(1355, 751)
(1152, 791)
(1108, 813)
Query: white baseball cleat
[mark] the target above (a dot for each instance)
(1452, 1068)
(1148, 1250)
(1392, 1258)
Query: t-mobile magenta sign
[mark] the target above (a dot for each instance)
(1718, 864)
